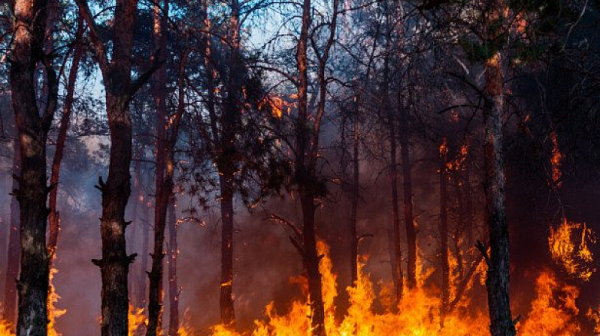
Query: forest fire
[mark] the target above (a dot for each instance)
(299, 168)
(553, 311)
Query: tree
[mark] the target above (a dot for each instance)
(172, 253)
(119, 90)
(165, 165)
(29, 29)
(307, 131)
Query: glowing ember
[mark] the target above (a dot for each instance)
(555, 160)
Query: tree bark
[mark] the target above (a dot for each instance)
(14, 253)
(501, 323)
(32, 126)
(173, 253)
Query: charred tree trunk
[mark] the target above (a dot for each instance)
(135, 226)
(354, 200)
(470, 225)
(460, 225)
(163, 192)
(227, 309)
(14, 253)
(409, 222)
(142, 276)
(32, 126)
(501, 323)
(227, 163)
(311, 261)
(54, 217)
(397, 252)
(307, 182)
(173, 253)
(443, 228)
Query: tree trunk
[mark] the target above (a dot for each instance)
(54, 217)
(501, 323)
(114, 265)
(306, 179)
(165, 163)
(470, 225)
(163, 192)
(354, 201)
(311, 261)
(227, 165)
(133, 288)
(409, 222)
(173, 253)
(26, 55)
(142, 277)
(460, 224)
(14, 253)
(227, 309)
(119, 87)
(397, 252)
(443, 228)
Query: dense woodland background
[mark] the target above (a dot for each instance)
(233, 135)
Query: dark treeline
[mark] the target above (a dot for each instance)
(240, 134)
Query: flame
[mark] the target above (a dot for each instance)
(569, 247)
(6, 329)
(594, 316)
(553, 311)
(279, 104)
(419, 312)
(53, 312)
(137, 320)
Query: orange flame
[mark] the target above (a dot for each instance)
(553, 310)
(137, 320)
(53, 312)
(569, 247)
